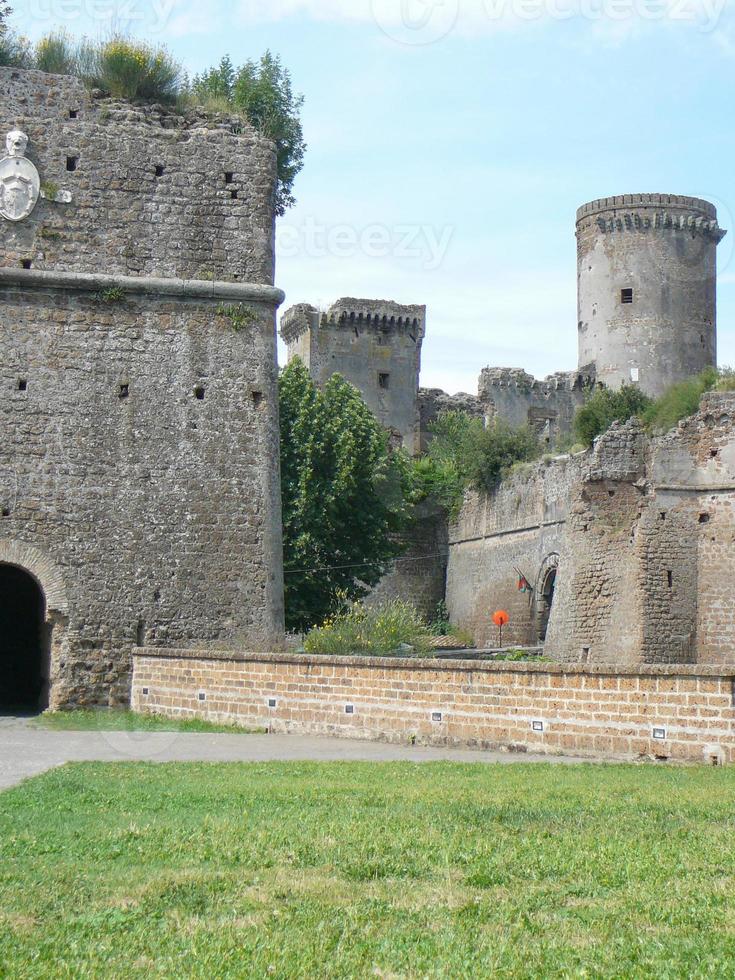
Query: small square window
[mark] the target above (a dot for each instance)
(349, 709)
(199, 393)
(124, 391)
(22, 385)
(73, 113)
(229, 177)
(271, 702)
(160, 170)
(626, 295)
(71, 164)
(25, 263)
(202, 696)
(384, 380)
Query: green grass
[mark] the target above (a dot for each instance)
(119, 720)
(357, 870)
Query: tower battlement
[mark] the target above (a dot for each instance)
(645, 212)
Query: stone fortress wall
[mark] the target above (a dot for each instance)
(375, 345)
(640, 534)
(139, 478)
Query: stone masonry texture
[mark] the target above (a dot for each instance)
(641, 533)
(139, 475)
(685, 714)
(373, 344)
(662, 248)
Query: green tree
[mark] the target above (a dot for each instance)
(605, 407)
(343, 495)
(5, 12)
(263, 92)
(470, 454)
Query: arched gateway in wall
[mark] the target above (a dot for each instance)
(33, 609)
(543, 595)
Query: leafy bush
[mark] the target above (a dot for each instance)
(263, 92)
(56, 54)
(468, 454)
(605, 407)
(679, 401)
(371, 631)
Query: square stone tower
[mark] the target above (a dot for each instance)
(373, 344)
(139, 476)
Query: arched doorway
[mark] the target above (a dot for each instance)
(24, 648)
(543, 594)
(546, 600)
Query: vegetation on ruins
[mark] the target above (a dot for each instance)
(395, 870)
(262, 91)
(606, 406)
(392, 627)
(464, 453)
(678, 402)
(343, 494)
(682, 399)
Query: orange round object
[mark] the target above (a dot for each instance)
(501, 618)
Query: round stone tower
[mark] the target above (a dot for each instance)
(647, 281)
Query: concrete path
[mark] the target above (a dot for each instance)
(27, 750)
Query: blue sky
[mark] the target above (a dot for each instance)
(451, 141)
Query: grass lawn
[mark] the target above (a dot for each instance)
(363, 870)
(120, 719)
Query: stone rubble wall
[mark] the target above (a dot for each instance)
(139, 456)
(123, 218)
(517, 529)
(643, 532)
(682, 714)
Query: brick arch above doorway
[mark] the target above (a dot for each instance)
(41, 567)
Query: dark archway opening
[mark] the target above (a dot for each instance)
(546, 600)
(23, 660)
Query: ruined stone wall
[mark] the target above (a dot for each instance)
(152, 192)
(375, 345)
(518, 530)
(434, 401)
(139, 450)
(682, 713)
(642, 531)
(663, 248)
(518, 398)
(648, 551)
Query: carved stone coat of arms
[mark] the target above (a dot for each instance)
(20, 184)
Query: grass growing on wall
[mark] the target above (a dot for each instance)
(364, 870)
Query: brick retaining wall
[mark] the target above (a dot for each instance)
(682, 713)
